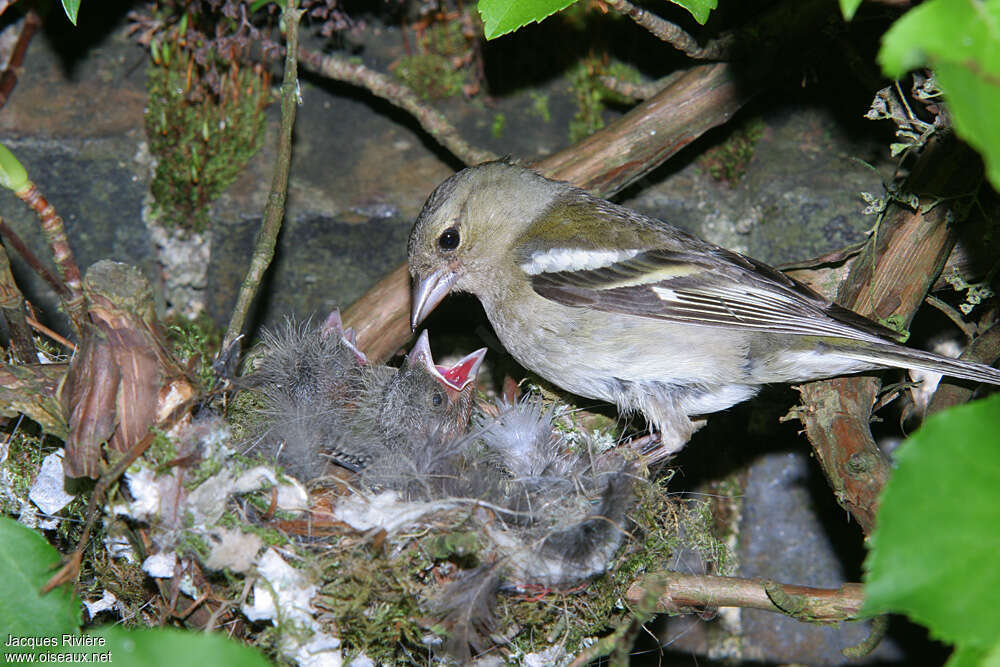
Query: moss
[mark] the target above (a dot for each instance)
(162, 451)
(201, 140)
(441, 69)
(195, 343)
(431, 76)
(540, 106)
(728, 161)
(499, 123)
(592, 96)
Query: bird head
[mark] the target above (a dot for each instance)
(428, 398)
(464, 237)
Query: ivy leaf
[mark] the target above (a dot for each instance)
(848, 7)
(503, 16)
(700, 9)
(960, 40)
(72, 8)
(27, 561)
(934, 552)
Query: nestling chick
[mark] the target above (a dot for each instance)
(611, 304)
(324, 404)
(307, 377)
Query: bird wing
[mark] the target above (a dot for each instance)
(722, 288)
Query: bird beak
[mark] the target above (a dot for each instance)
(335, 325)
(456, 377)
(428, 291)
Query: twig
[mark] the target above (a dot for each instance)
(12, 304)
(674, 35)
(32, 22)
(41, 328)
(62, 253)
(967, 328)
(274, 211)
(36, 264)
(679, 593)
(433, 121)
(632, 91)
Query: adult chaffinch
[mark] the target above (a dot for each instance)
(611, 304)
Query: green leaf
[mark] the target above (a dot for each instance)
(934, 552)
(12, 173)
(161, 648)
(700, 9)
(848, 7)
(960, 40)
(72, 8)
(27, 561)
(503, 16)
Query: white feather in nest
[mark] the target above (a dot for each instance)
(549, 513)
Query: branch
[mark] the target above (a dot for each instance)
(22, 345)
(688, 593)
(889, 279)
(433, 121)
(674, 35)
(54, 231)
(274, 211)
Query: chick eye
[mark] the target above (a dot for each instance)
(437, 399)
(449, 239)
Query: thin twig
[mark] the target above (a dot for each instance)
(22, 345)
(674, 35)
(691, 593)
(275, 210)
(433, 121)
(42, 329)
(30, 25)
(968, 328)
(62, 253)
(31, 258)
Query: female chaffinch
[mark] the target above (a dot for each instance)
(611, 304)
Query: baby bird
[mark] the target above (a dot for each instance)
(306, 377)
(611, 304)
(325, 404)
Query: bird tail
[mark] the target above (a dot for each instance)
(889, 354)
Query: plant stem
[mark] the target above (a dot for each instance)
(274, 211)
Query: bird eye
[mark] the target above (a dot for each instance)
(449, 239)
(437, 399)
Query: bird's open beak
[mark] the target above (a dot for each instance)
(428, 291)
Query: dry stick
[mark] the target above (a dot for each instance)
(889, 279)
(679, 593)
(673, 34)
(12, 304)
(433, 121)
(31, 258)
(274, 211)
(55, 233)
(699, 99)
(32, 22)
